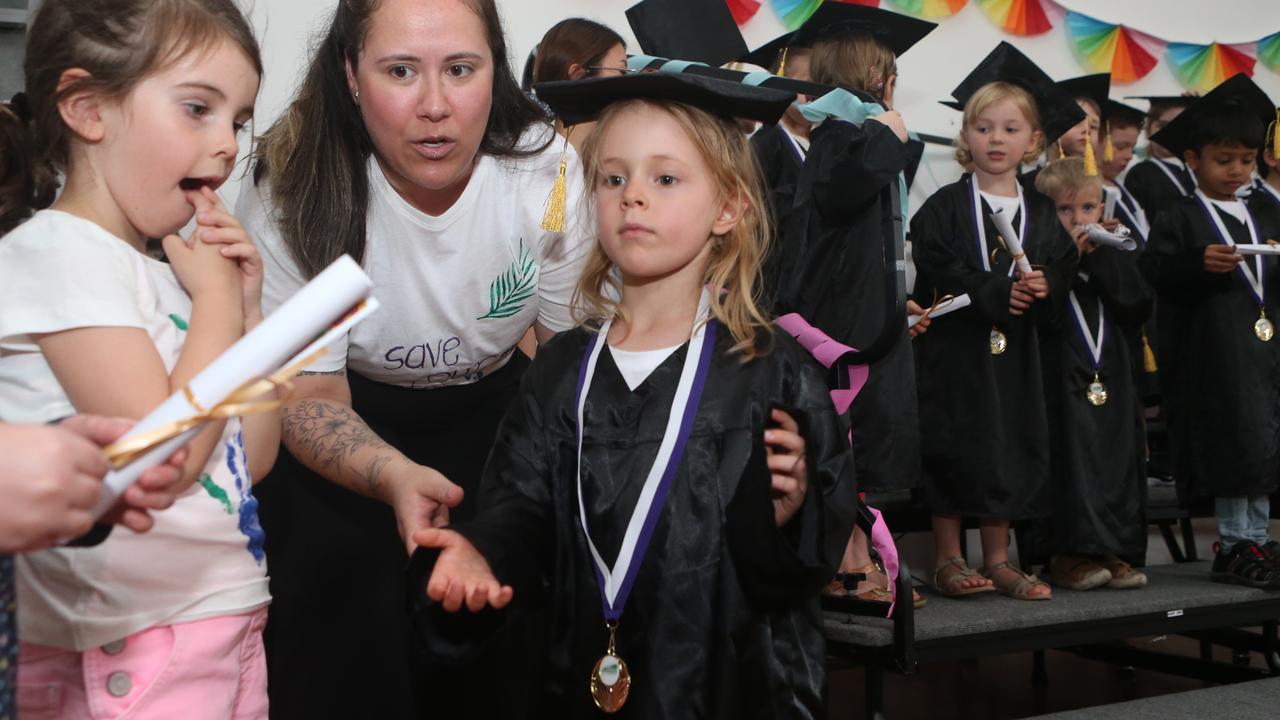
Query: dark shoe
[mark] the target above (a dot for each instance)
(1245, 564)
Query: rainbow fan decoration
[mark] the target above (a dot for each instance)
(743, 10)
(1202, 67)
(795, 12)
(931, 9)
(1116, 49)
(1269, 51)
(1017, 17)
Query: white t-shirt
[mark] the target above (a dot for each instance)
(1235, 208)
(636, 365)
(458, 290)
(1002, 203)
(204, 556)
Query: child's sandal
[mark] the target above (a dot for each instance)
(1019, 589)
(878, 594)
(949, 577)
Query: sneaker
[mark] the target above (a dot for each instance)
(1245, 564)
(1123, 575)
(1075, 573)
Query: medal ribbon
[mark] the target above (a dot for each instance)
(980, 226)
(615, 583)
(1173, 176)
(1254, 282)
(1093, 344)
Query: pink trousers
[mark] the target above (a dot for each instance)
(211, 669)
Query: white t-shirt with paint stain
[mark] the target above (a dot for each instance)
(204, 557)
(457, 290)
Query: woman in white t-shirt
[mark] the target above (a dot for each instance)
(410, 147)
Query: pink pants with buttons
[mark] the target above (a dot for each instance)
(211, 669)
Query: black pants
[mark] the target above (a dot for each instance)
(339, 639)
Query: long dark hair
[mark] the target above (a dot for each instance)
(118, 43)
(315, 156)
(576, 41)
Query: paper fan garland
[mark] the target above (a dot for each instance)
(1269, 51)
(743, 10)
(1103, 47)
(1017, 17)
(931, 9)
(1202, 67)
(795, 12)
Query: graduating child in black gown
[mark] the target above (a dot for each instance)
(1219, 360)
(1267, 187)
(637, 487)
(831, 249)
(1098, 474)
(982, 414)
(1158, 181)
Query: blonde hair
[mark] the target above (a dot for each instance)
(856, 62)
(993, 94)
(733, 272)
(1064, 178)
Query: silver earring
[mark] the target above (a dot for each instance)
(357, 96)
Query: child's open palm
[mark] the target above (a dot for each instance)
(461, 575)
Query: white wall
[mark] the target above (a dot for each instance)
(927, 73)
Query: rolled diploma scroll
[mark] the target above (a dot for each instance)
(1120, 239)
(1109, 203)
(301, 322)
(944, 307)
(1257, 249)
(1011, 242)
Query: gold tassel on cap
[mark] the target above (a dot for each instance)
(1148, 357)
(1061, 153)
(553, 218)
(1108, 150)
(1275, 135)
(782, 63)
(1090, 161)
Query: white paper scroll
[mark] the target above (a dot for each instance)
(1110, 196)
(1121, 239)
(1257, 249)
(1011, 241)
(319, 313)
(942, 308)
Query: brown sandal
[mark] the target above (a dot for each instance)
(956, 572)
(1019, 589)
(879, 594)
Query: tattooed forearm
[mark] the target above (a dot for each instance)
(330, 436)
(372, 473)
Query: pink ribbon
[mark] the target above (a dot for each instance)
(828, 352)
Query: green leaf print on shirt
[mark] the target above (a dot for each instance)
(509, 290)
(177, 320)
(216, 492)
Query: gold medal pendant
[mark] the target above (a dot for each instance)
(1263, 327)
(999, 343)
(1097, 392)
(610, 679)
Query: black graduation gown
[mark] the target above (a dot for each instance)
(1153, 189)
(780, 162)
(830, 270)
(983, 427)
(1097, 453)
(1262, 194)
(1147, 384)
(723, 620)
(1221, 385)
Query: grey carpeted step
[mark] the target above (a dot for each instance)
(1257, 700)
(1172, 588)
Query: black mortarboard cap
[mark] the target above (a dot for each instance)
(576, 101)
(898, 32)
(698, 30)
(1057, 107)
(1115, 110)
(1096, 87)
(953, 104)
(1237, 94)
